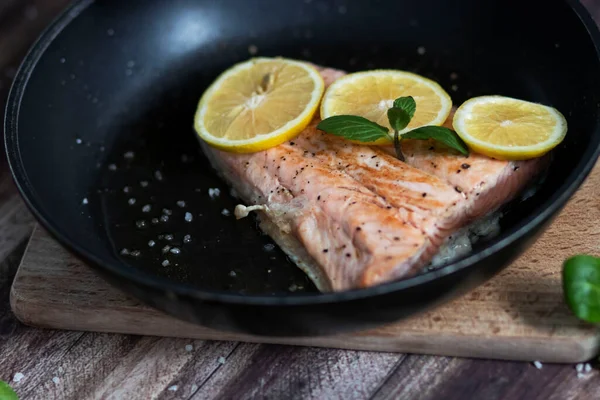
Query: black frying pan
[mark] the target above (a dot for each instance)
(113, 77)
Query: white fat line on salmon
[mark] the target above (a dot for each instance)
(242, 211)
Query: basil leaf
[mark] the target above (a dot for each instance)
(354, 128)
(581, 286)
(6, 392)
(398, 118)
(440, 134)
(408, 104)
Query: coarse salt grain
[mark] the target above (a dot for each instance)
(214, 193)
(124, 252)
(168, 236)
(144, 183)
(131, 201)
(151, 243)
(455, 87)
(166, 263)
(181, 203)
(166, 249)
(141, 224)
(421, 50)
(173, 388)
(225, 212)
(129, 155)
(136, 253)
(126, 189)
(166, 211)
(221, 360)
(188, 217)
(189, 347)
(154, 221)
(56, 380)
(158, 175)
(146, 208)
(537, 364)
(194, 388)
(112, 167)
(175, 250)
(78, 141)
(579, 367)
(232, 274)
(187, 239)
(587, 368)
(18, 376)
(269, 247)
(164, 218)
(84, 201)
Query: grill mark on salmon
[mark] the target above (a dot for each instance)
(355, 216)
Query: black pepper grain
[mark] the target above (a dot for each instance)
(424, 195)
(465, 166)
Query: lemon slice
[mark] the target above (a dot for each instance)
(509, 129)
(370, 94)
(258, 104)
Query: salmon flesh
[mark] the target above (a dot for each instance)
(354, 216)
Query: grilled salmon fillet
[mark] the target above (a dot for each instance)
(353, 216)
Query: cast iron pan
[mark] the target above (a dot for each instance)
(105, 100)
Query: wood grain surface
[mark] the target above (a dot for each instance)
(519, 315)
(76, 365)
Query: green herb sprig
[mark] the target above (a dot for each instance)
(6, 392)
(399, 116)
(581, 287)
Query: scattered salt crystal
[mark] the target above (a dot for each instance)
(225, 212)
(126, 189)
(136, 253)
(173, 388)
(63, 60)
(144, 183)
(181, 203)
(421, 50)
(187, 239)
(293, 287)
(151, 243)
(188, 217)
(166, 211)
(268, 271)
(18, 376)
(455, 87)
(252, 49)
(232, 274)
(56, 380)
(166, 249)
(168, 236)
(189, 347)
(84, 201)
(124, 252)
(579, 367)
(165, 263)
(112, 167)
(587, 367)
(175, 250)
(61, 370)
(131, 201)
(158, 175)
(269, 247)
(194, 388)
(154, 221)
(164, 218)
(221, 360)
(141, 224)
(214, 193)
(78, 141)
(146, 208)
(129, 155)
(537, 364)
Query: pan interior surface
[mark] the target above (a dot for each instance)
(108, 158)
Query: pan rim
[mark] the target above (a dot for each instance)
(547, 209)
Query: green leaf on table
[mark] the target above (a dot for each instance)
(6, 392)
(354, 128)
(398, 118)
(407, 104)
(581, 286)
(439, 134)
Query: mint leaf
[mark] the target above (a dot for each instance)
(354, 128)
(408, 104)
(6, 392)
(440, 134)
(581, 286)
(398, 118)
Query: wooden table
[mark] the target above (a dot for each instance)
(75, 365)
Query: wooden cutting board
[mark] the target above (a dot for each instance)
(518, 315)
